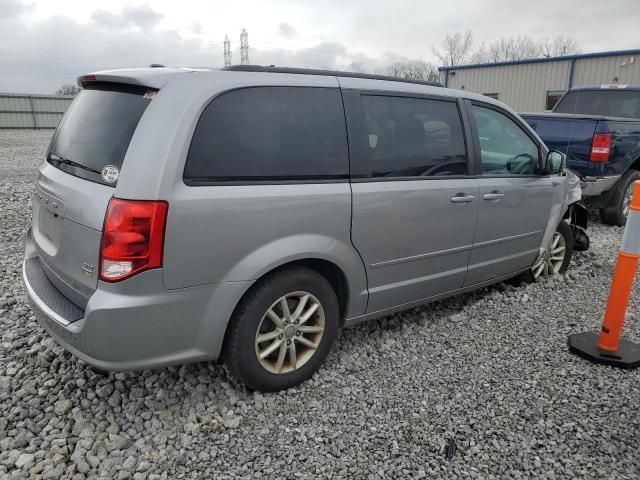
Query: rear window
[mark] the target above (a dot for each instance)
(96, 130)
(610, 103)
(270, 134)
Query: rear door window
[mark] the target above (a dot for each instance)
(413, 137)
(96, 130)
(270, 134)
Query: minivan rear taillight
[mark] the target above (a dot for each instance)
(132, 238)
(600, 147)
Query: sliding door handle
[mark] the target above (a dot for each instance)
(462, 198)
(493, 196)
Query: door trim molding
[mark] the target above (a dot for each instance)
(352, 321)
(506, 239)
(421, 256)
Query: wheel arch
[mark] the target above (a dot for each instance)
(332, 258)
(329, 270)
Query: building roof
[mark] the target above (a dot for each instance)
(614, 53)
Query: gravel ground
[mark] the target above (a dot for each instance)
(490, 369)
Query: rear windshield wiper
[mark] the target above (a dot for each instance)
(66, 161)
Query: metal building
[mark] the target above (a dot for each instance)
(31, 111)
(535, 85)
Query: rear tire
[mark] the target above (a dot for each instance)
(615, 213)
(273, 342)
(556, 261)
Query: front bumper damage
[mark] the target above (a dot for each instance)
(576, 215)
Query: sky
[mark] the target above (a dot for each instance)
(47, 43)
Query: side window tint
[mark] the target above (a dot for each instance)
(270, 133)
(413, 137)
(505, 148)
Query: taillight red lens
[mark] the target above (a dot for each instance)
(132, 238)
(600, 147)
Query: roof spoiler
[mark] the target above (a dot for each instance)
(154, 77)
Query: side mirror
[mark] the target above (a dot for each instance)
(555, 162)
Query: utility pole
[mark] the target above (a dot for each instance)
(227, 51)
(244, 48)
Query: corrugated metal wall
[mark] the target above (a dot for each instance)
(31, 111)
(524, 86)
(595, 71)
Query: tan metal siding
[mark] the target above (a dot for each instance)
(16, 120)
(31, 111)
(599, 70)
(523, 87)
(47, 120)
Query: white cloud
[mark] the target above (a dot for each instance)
(13, 8)
(287, 30)
(143, 17)
(45, 44)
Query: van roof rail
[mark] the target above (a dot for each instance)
(332, 73)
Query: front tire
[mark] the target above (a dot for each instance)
(556, 260)
(616, 212)
(282, 330)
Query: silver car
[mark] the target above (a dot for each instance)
(248, 214)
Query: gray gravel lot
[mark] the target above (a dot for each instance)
(490, 369)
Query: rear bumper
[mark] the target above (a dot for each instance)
(601, 185)
(120, 330)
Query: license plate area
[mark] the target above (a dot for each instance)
(48, 212)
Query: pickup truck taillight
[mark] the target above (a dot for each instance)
(600, 147)
(132, 238)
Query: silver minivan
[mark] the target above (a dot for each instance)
(249, 213)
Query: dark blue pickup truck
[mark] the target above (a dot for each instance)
(598, 128)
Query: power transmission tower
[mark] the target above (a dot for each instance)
(227, 51)
(244, 48)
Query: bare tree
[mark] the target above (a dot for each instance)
(480, 55)
(559, 45)
(68, 89)
(521, 47)
(357, 67)
(505, 49)
(455, 48)
(413, 70)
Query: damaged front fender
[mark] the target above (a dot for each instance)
(577, 216)
(567, 192)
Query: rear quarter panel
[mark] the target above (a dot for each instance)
(570, 136)
(574, 136)
(625, 145)
(240, 232)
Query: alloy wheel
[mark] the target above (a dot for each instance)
(552, 260)
(290, 332)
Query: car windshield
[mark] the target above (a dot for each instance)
(611, 103)
(96, 130)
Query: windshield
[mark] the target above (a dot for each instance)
(96, 130)
(610, 103)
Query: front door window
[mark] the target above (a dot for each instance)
(505, 148)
